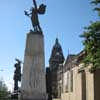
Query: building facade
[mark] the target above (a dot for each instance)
(71, 79)
(79, 83)
(54, 71)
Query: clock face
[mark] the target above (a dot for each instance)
(57, 53)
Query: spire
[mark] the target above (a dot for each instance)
(57, 56)
(57, 45)
(56, 40)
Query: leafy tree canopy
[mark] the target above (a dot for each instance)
(91, 44)
(97, 3)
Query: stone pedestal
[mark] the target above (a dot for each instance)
(33, 85)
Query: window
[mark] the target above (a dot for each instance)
(67, 83)
(71, 80)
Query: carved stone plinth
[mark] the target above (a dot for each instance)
(33, 85)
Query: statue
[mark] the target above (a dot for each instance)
(33, 14)
(17, 75)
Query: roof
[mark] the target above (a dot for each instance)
(73, 60)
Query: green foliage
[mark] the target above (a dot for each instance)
(91, 44)
(3, 91)
(97, 4)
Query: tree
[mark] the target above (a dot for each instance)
(91, 41)
(3, 91)
(91, 44)
(97, 4)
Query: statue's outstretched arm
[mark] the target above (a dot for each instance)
(27, 14)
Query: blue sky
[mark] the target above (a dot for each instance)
(64, 19)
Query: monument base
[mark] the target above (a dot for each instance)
(33, 85)
(34, 97)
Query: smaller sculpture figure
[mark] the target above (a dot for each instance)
(17, 74)
(33, 14)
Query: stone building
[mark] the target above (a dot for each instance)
(71, 79)
(79, 83)
(53, 74)
(48, 83)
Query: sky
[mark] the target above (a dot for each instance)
(64, 19)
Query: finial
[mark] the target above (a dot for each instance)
(57, 40)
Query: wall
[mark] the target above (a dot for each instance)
(84, 84)
(76, 93)
(97, 84)
(89, 84)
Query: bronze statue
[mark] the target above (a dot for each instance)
(33, 14)
(17, 74)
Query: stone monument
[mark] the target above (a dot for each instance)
(33, 85)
